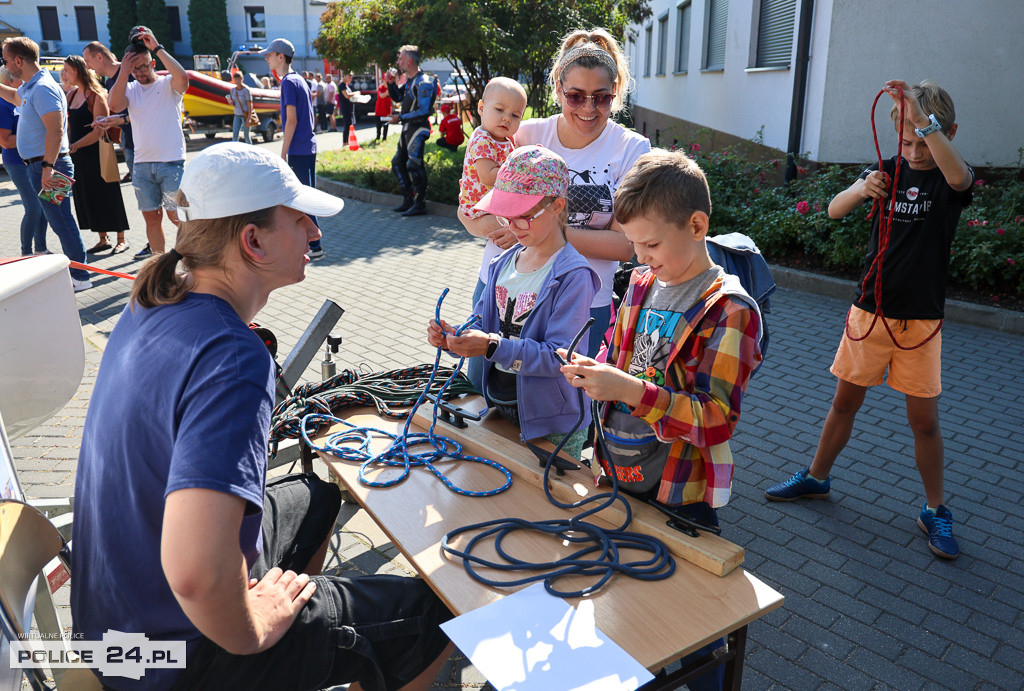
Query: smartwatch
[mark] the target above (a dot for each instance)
(925, 131)
(492, 345)
(159, 47)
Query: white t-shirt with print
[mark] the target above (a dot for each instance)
(596, 171)
(155, 111)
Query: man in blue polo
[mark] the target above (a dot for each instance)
(43, 142)
(299, 145)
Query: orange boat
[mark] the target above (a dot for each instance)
(206, 103)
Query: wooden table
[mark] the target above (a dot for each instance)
(657, 622)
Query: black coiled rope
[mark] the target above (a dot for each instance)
(599, 557)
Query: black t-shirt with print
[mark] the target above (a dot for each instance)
(915, 264)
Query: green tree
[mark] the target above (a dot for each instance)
(121, 17)
(153, 14)
(208, 21)
(486, 38)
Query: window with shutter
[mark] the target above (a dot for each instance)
(775, 27)
(714, 44)
(647, 50)
(662, 43)
(683, 37)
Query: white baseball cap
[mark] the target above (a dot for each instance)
(234, 178)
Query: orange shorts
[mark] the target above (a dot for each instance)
(915, 372)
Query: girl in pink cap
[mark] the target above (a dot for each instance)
(537, 296)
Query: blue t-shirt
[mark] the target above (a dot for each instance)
(182, 400)
(9, 121)
(39, 96)
(295, 92)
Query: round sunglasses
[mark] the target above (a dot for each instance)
(521, 222)
(576, 100)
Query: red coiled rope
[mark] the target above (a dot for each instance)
(884, 235)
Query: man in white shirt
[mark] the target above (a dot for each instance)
(332, 99)
(155, 107)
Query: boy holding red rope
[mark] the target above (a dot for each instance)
(903, 290)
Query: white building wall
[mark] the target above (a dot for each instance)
(738, 99)
(24, 15)
(971, 48)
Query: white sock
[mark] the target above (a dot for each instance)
(933, 510)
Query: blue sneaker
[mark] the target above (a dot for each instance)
(939, 527)
(800, 485)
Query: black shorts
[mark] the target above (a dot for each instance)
(381, 631)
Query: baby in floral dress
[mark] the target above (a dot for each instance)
(501, 110)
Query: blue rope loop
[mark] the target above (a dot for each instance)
(599, 557)
(398, 454)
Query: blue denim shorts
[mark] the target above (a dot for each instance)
(379, 630)
(156, 183)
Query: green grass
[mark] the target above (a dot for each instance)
(370, 168)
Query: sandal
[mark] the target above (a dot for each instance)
(100, 247)
(120, 247)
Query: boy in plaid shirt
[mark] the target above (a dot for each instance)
(684, 347)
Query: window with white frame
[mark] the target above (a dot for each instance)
(683, 37)
(775, 25)
(255, 24)
(648, 38)
(717, 12)
(662, 43)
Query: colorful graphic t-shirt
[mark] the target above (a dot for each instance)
(638, 454)
(515, 294)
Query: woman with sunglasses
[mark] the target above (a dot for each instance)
(537, 297)
(590, 78)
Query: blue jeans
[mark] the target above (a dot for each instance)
(129, 159)
(33, 223)
(59, 216)
(304, 167)
(239, 124)
(156, 183)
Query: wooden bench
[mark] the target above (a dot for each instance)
(657, 622)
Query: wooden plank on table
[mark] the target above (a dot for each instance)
(657, 622)
(497, 439)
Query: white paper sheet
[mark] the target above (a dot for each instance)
(533, 641)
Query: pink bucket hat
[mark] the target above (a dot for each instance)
(529, 174)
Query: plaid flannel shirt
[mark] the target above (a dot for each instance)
(707, 373)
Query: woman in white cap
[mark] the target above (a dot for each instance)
(590, 78)
(179, 536)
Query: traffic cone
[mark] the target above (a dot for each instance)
(353, 143)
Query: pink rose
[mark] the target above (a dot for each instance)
(999, 231)
(1010, 261)
(694, 147)
(984, 223)
(803, 207)
(971, 224)
(979, 183)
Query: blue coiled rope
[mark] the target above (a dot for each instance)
(398, 454)
(601, 557)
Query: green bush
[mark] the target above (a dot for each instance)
(790, 224)
(371, 168)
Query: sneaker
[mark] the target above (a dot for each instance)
(417, 210)
(79, 286)
(144, 253)
(939, 527)
(800, 485)
(316, 253)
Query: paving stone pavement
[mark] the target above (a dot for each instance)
(867, 606)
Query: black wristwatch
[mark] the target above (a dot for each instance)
(46, 164)
(492, 345)
(159, 47)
